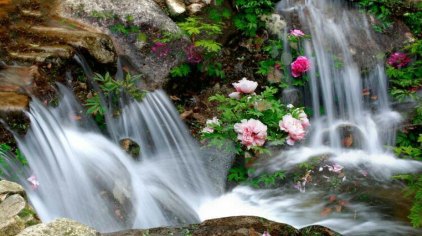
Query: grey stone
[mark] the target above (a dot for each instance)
(142, 11)
(10, 187)
(59, 227)
(176, 7)
(145, 13)
(11, 226)
(11, 207)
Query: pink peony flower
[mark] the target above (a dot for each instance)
(297, 33)
(398, 60)
(234, 95)
(160, 49)
(210, 124)
(293, 127)
(251, 132)
(245, 86)
(300, 66)
(336, 168)
(34, 182)
(192, 54)
(304, 120)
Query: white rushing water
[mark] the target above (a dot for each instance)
(85, 175)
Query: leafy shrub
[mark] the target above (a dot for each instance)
(112, 89)
(248, 19)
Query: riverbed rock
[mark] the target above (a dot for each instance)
(7, 187)
(59, 227)
(237, 225)
(12, 206)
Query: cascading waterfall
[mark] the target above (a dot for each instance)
(86, 176)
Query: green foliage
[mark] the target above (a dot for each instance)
(180, 71)
(267, 180)
(202, 35)
(214, 70)
(405, 81)
(218, 15)
(379, 9)
(264, 107)
(124, 29)
(103, 15)
(111, 89)
(247, 20)
(5, 148)
(194, 26)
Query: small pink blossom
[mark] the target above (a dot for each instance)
(160, 49)
(300, 66)
(293, 127)
(192, 54)
(336, 168)
(245, 86)
(210, 124)
(234, 95)
(297, 33)
(398, 60)
(251, 132)
(34, 182)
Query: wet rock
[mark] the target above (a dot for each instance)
(99, 46)
(7, 187)
(11, 101)
(12, 206)
(15, 78)
(176, 7)
(10, 222)
(238, 225)
(11, 226)
(59, 227)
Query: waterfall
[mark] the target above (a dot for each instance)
(85, 175)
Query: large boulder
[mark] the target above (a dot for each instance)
(144, 15)
(59, 227)
(237, 225)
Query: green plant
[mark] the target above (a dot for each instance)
(414, 181)
(103, 15)
(380, 9)
(182, 70)
(112, 89)
(248, 19)
(19, 157)
(406, 80)
(203, 51)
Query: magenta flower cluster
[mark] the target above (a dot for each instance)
(398, 60)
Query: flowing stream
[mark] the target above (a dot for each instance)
(86, 176)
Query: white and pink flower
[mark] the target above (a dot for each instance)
(210, 124)
(234, 95)
(297, 33)
(245, 86)
(293, 127)
(251, 132)
(300, 66)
